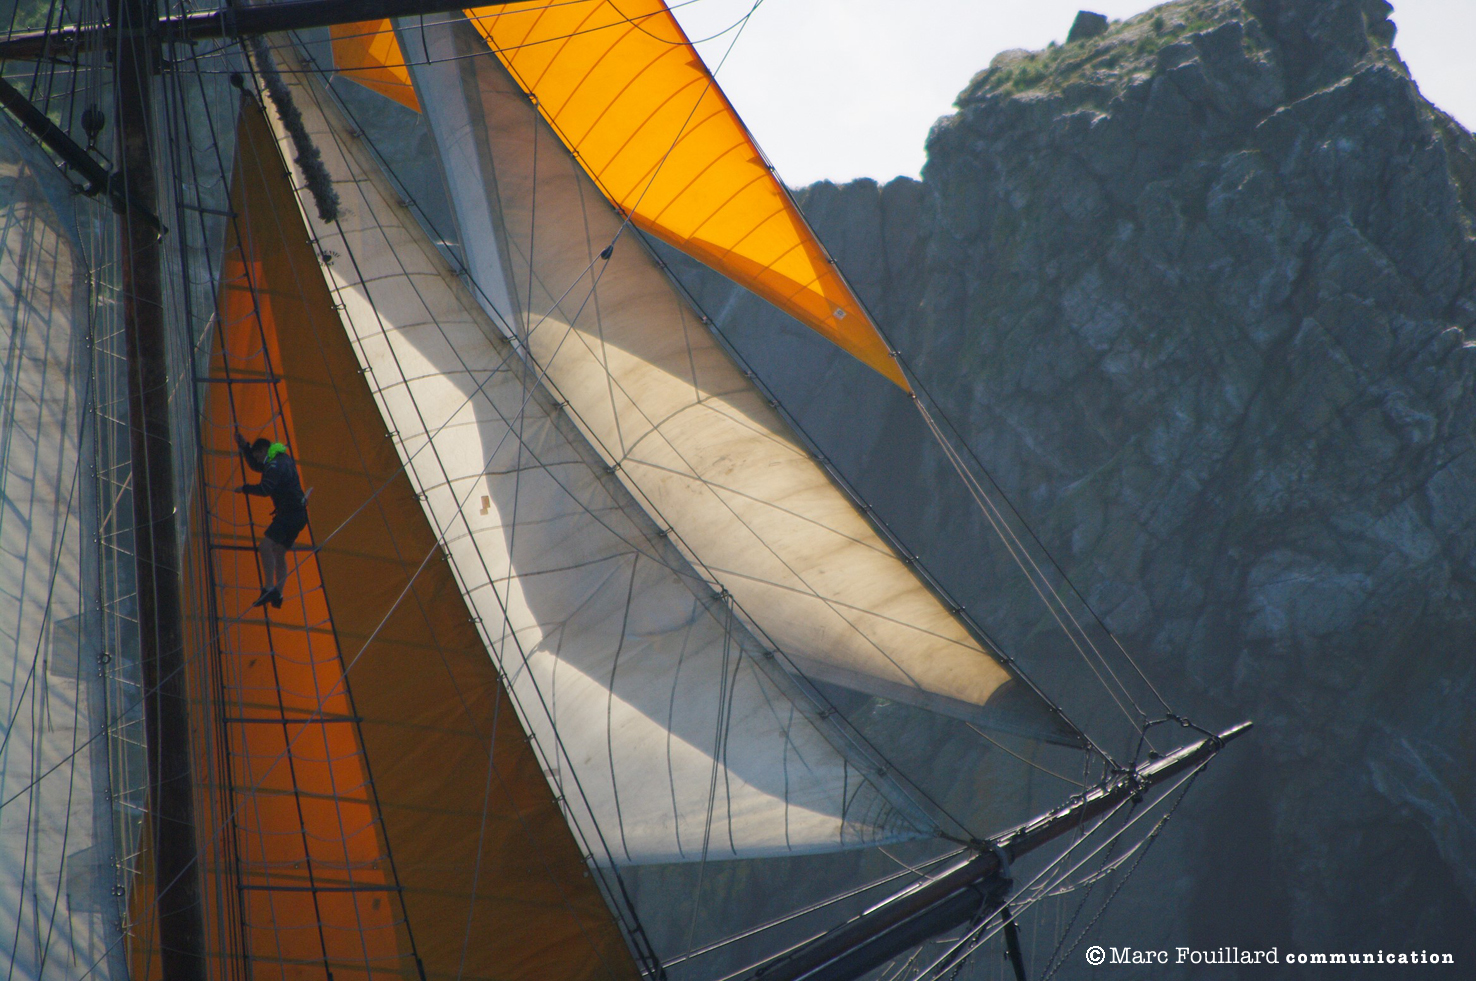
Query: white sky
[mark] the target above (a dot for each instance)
(848, 88)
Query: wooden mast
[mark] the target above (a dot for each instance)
(973, 889)
(156, 546)
(134, 33)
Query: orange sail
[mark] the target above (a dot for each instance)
(387, 806)
(630, 97)
(368, 53)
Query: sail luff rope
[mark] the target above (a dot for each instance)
(1041, 590)
(635, 562)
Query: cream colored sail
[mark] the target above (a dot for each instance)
(691, 437)
(57, 857)
(663, 727)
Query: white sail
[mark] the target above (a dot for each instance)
(660, 724)
(692, 438)
(57, 867)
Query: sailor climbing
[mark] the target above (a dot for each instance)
(279, 481)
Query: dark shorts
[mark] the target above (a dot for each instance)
(285, 528)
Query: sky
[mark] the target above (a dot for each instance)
(839, 89)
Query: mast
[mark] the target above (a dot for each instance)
(973, 889)
(156, 547)
(234, 23)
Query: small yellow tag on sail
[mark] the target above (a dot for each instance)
(368, 53)
(630, 97)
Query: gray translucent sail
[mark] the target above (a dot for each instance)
(662, 725)
(688, 433)
(58, 911)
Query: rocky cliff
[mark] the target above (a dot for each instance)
(1200, 292)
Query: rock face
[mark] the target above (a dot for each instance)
(1200, 293)
(1086, 25)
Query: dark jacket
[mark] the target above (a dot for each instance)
(279, 480)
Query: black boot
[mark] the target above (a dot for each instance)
(266, 595)
(275, 598)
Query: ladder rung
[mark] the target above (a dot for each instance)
(221, 547)
(208, 211)
(271, 888)
(305, 720)
(222, 380)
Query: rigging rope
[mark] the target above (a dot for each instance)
(592, 289)
(442, 537)
(981, 932)
(1146, 844)
(540, 373)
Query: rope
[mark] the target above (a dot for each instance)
(813, 907)
(1146, 844)
(576, 316)
(442, 536)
